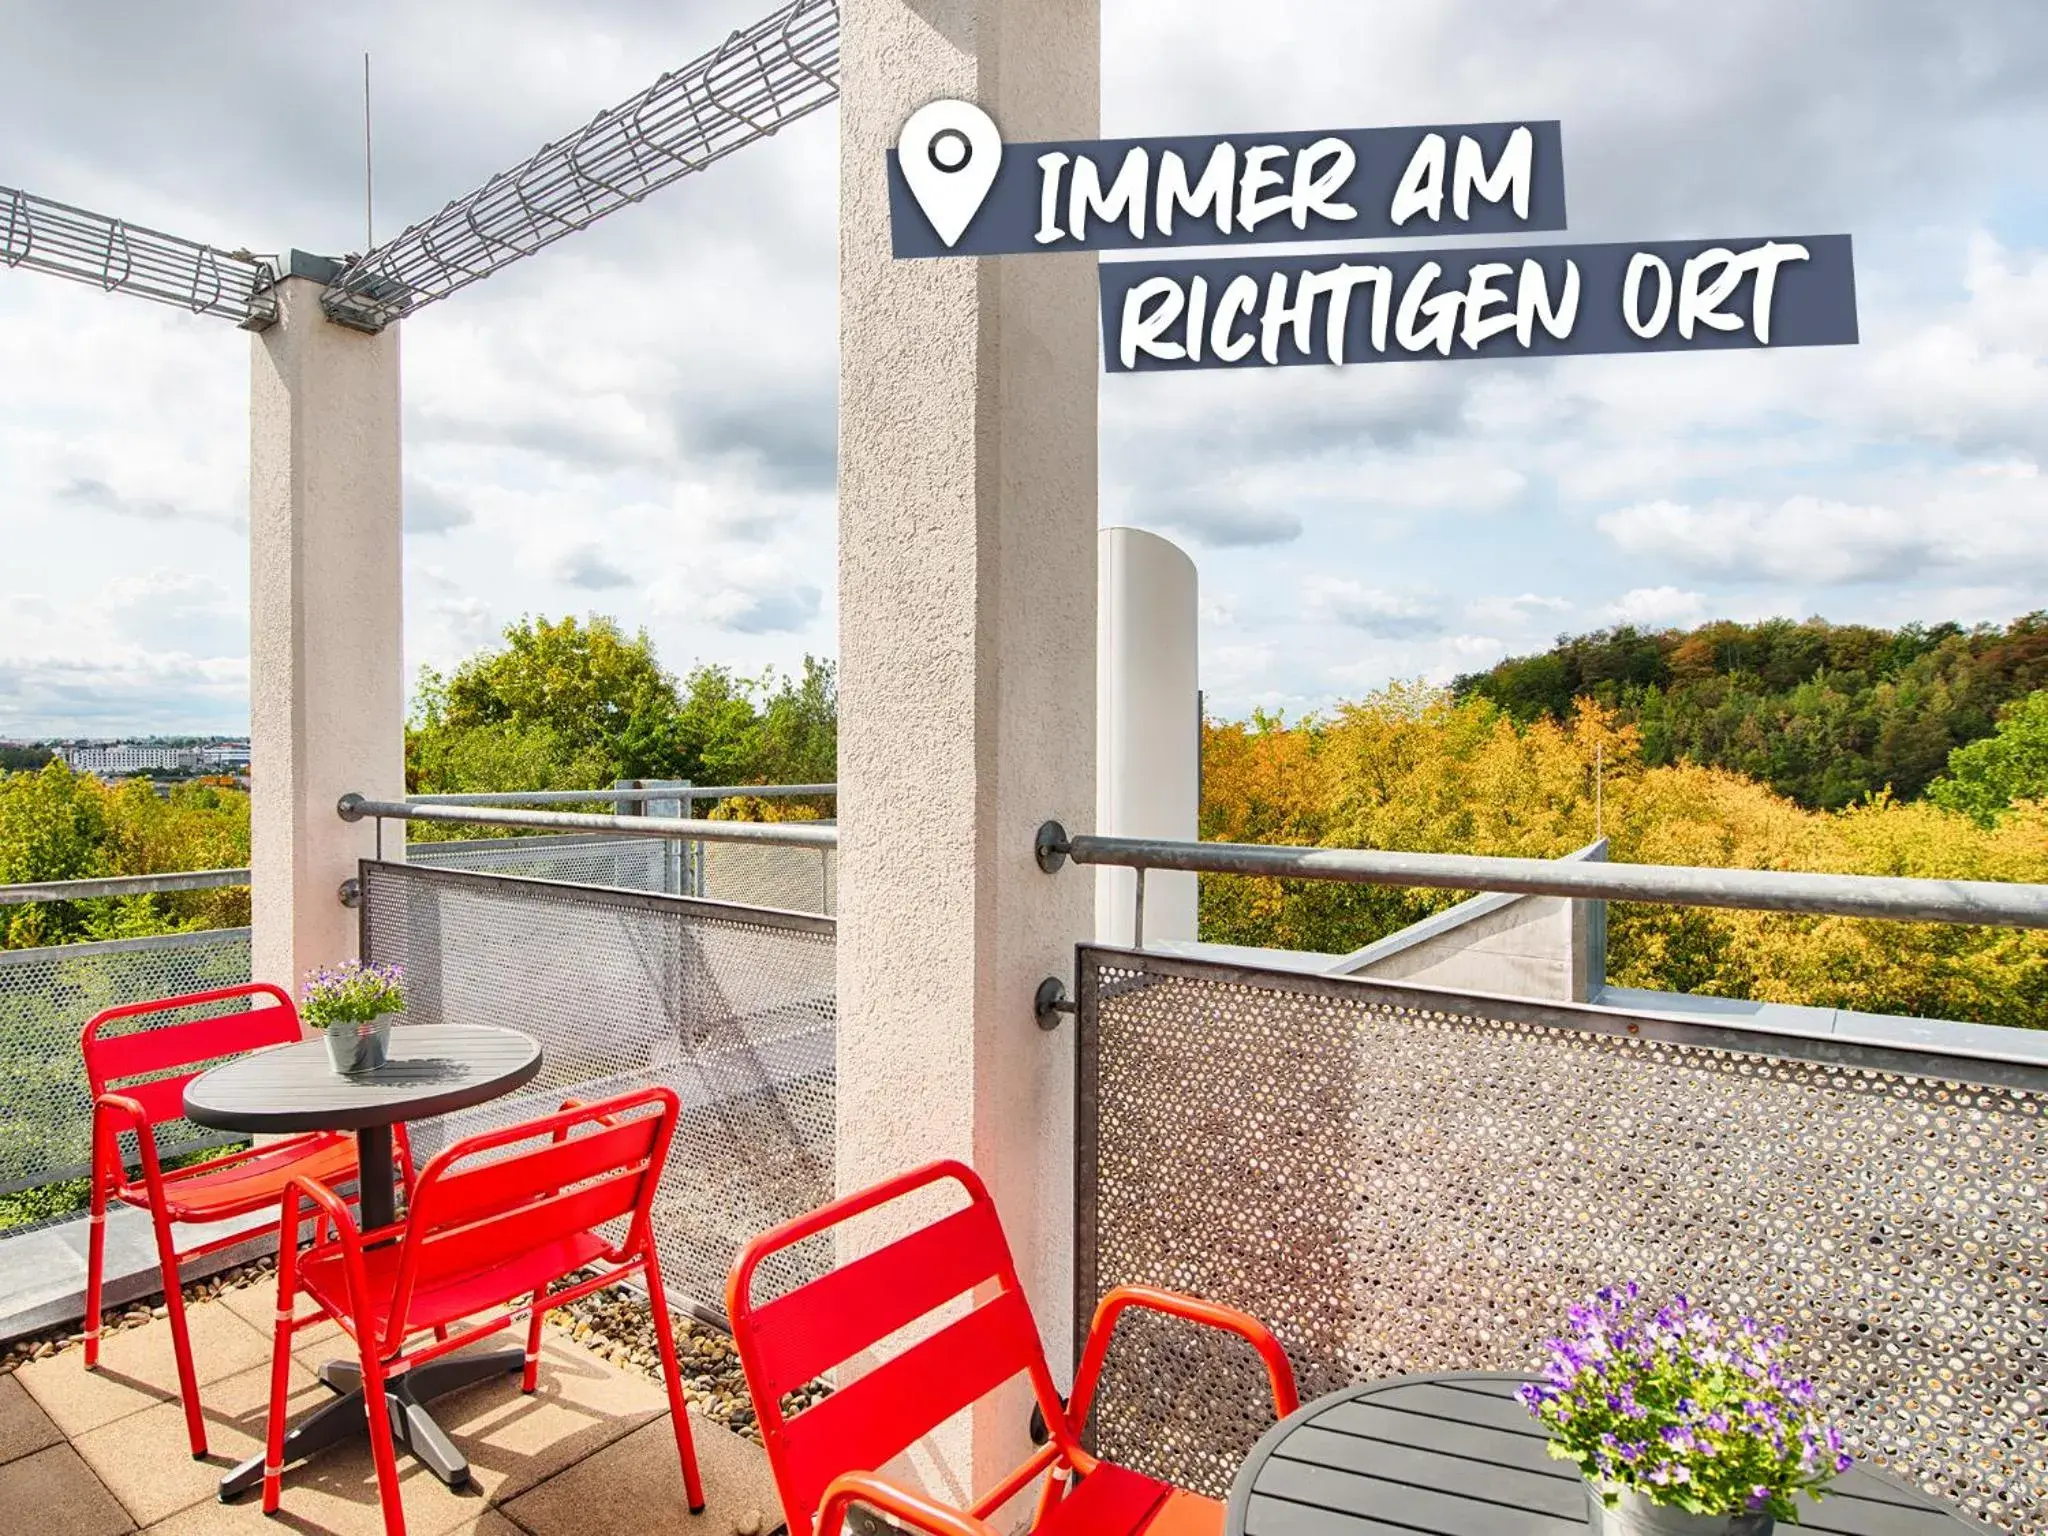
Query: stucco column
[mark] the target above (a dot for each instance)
(1148, 701)
(967, 531)
(326, 664)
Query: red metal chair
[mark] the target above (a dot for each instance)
(483, 1232)
(138, 1080)
(826, 1457)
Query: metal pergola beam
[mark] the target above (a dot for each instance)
(119, 257)
(761, 78)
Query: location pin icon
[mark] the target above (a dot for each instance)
(950, 152)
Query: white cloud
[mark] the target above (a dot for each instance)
(589, 569)
(1657, 607)
(1983, 519)
(1385, 615)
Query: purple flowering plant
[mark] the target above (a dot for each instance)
(1683, 1410)
(352, 993)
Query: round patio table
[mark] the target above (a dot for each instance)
(1457, 1454)
(432, 1069)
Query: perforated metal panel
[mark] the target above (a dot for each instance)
(46, 996)
(786, 879)
(791, 879)
(1399, 1180)
(732, 1007)
(629, 863)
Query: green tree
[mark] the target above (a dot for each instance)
(583, 680)
(799, 730)
(575, 704)
(1988, 776)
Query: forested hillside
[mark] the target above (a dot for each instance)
(1826, 714)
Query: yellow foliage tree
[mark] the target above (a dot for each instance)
(1408, 768)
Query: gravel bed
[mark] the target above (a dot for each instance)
(616, 1325)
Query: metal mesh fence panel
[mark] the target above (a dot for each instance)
(1399, 1180)
(46, 996)
(789, 879)
(629, 863)
(733, 1008)
(785, 879)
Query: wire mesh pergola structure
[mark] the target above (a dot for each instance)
(760, 79)
(53, 237)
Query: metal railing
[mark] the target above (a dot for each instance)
(788, 834)
(1981, 902)
(120, 885)
(624, 795)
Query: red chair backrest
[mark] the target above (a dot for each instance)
(798, 1336)
(579, 1169)
(111, 1060)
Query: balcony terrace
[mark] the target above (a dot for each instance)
(1409, 1159)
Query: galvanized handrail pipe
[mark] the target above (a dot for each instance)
(787, 834)
(615, 796)
(121, 885)
(1982, 902)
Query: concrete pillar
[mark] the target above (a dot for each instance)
(967, 525)
(326, 661)
(1148, 735)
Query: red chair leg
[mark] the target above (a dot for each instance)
(672, 1379)
(531, 1377)
(382, 1453)
(181, 1340)
(95, 1268)
(280, 1389)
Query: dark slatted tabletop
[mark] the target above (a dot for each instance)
(432, 1069)
(1458, 1455)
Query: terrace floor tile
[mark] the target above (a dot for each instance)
(146, 1461)
(635, 1485)
(24, 1427)
(137, 1370)
(64, 1496)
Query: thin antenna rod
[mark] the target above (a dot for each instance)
(369, 229)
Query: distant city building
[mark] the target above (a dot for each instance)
(115, 759)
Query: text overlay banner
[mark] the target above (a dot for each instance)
(1516, 301)
(1257, 179)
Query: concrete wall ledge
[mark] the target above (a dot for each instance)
(42, 1271)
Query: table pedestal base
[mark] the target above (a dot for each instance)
(405, 1398)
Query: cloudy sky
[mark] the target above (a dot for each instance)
(640, 421)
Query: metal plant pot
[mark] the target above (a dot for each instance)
(358, 1048)
(1634, 1514)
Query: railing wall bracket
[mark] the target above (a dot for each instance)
(1051, 846)
(1050, 1001)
